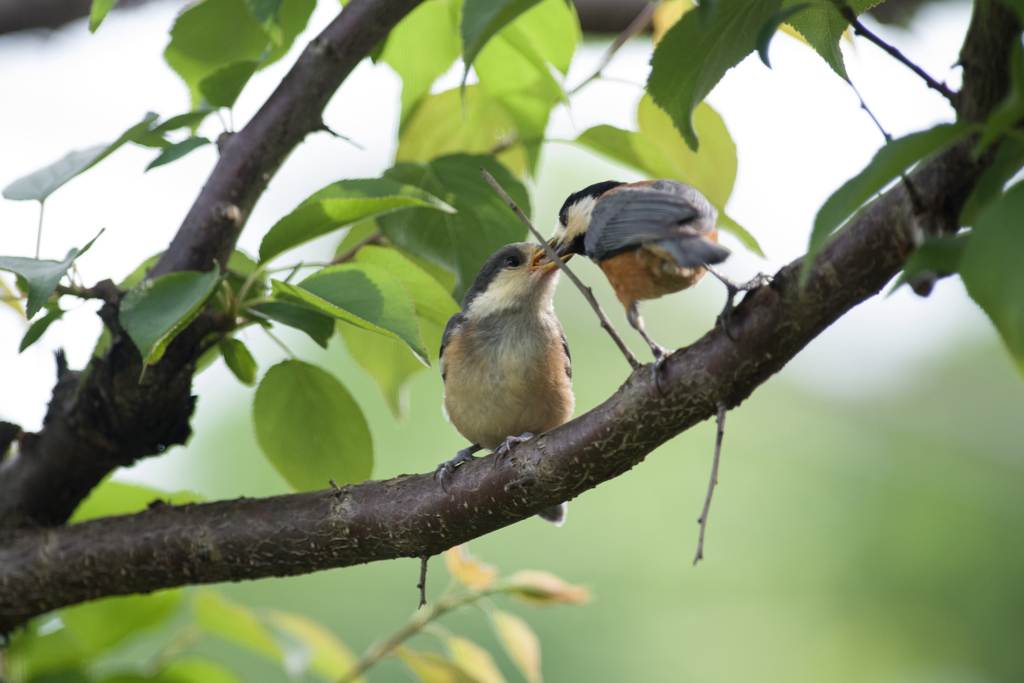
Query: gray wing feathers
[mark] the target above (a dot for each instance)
(691, 252)
(665, 210)
(565, 347)
(449, 330)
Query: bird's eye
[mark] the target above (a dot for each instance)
(512, 262)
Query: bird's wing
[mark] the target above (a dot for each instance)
(565, 347)
(665, 210)
(453, 324)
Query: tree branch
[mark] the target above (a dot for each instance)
(105, 417)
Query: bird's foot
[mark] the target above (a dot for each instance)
(507, 445)
(447, 468)
(733, 288)
(660, 354)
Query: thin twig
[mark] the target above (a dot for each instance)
(851, 16)
(587, 293)
(422, 585)
(703, 521)
(638, 25)
(373, 238)
(39, 232)
(105, 290)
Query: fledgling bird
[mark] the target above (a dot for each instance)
(505, 360)
(650, 238)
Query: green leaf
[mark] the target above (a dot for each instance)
(310, 428)
(44, 182)
(320, 215)
(421, 48)
(361, 294)
(292, 19)
(356, 234)
(239, 360)
(430, 667)
(442, 126)
(222, 87)
(658, 151)
(116, 498)
(195, 670)
(190, 119)
(1008, 160)
(991, 268)
(98, 12)
(210, 35)
(233, 621)
(764, 36)
(322, 652)
(264, 10)
(463, 241)
(318, 326)
(937, 255)
(53, 314)
(481, 19)
(177, 151)
(137, 275)
(690, 60)
(389, 362)
(42, 276)
(823, 26)
(1011, 110)
(432, 301)
(155, 311)
(888, 163)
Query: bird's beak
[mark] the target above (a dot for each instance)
(541, 260)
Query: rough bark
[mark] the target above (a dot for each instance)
(410, 516)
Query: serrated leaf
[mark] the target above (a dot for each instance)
(38, 328)
(235, 623)
(991, 268)
(310, 428)
(449, 123)
(691, 59)
(823, 26)
(430, 667)
(44, 182)
(177, 150)
(361, 294)
(190, 119)
(42, 276)
(667, 14)
(222, 86)
(239, 360)
(98, 12)
(767, 32)
(888, 163)
(432, 301)
(658, 151)
(421, 48)
(1010, 110)
(473, 659)
(468, 570)
(324, 653)
(460, 242)
(519, 641)
(318, 217)
(155, 311)
(543, 589)
(116, 498)
(481, 19)
(318, 326)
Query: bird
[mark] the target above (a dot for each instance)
(505, 361)
(650, 238)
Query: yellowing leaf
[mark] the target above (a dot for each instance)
(474, 660)
(469, 571)
(520, 642)
(430, 667)
(544, 588)
(326, 654)
(234, 622)
(667, 14)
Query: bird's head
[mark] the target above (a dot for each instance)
(515, 279)
(574, 218)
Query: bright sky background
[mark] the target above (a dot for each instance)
(798, 127)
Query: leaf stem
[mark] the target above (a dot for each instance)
(851, 16)
(280, 343)
(587, 292)
(39, 233)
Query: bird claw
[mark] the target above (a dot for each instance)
(447, 468)
(733, 288)
(660, 354)
(507, 445)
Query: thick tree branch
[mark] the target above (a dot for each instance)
(105, 417)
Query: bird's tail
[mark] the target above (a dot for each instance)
(556, 515)
(695, 251)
